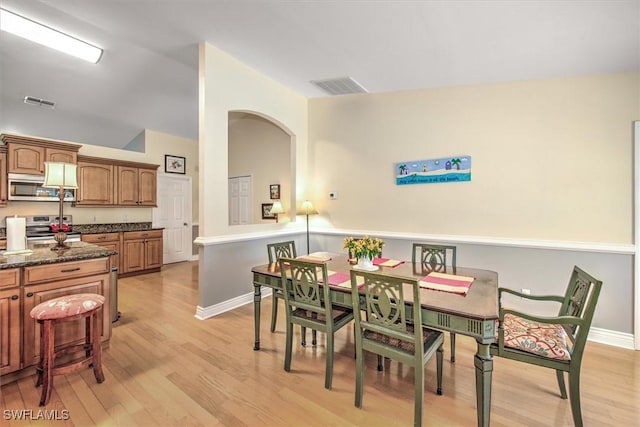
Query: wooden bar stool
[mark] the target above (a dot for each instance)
(66, 309)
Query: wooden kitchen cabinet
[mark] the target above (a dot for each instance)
(45, 282)
(106, 240)
(141, 251)
(96, 182)
(10, 300)
(4, 193)
(137, 186)
(27, 155)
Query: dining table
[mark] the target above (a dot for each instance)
(474, 314)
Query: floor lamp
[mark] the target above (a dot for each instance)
(61, 176)
(308, 209)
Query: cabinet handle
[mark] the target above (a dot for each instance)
(14, 297)
(69, 270)
(29, 294)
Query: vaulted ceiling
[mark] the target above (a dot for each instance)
(148, 76)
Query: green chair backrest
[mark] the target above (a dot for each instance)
(433, 255)
(580, 301)
(281, 249)
(385, 306)
(303, 280)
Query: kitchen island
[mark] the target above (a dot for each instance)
(27, 280)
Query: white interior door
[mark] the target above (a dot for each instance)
(240, 200)
(174, 215)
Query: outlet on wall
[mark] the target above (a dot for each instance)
(333, 195)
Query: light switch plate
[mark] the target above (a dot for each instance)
(333, 195)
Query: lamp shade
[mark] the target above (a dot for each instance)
(307, 208)
(277, 208)
(58, 175)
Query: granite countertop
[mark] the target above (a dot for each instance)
(42, 254)
(103, 228)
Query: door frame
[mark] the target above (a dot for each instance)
(636, 231)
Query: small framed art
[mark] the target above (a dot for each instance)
(274, 191)
(266, 211)
(174, 164)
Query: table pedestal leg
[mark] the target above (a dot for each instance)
(483, 362)
(257, 296)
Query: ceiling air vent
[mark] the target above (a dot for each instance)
(39, 102)
(339, 86)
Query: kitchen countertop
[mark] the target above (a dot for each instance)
(42, 254)
(103, 228)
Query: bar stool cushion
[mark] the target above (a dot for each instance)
(66, 306)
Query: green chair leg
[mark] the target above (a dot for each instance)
(452, 338)
(288, 345)
(314, 340)
(563, 389)
(419, 397)
(359, 378)
(274, 311)
(303, 335)
(379, 363)
(574, 398)
(328, 376)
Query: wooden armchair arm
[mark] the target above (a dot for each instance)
(554, 320)
(553, 298)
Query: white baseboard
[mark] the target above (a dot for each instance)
(602, 336)
(614, 338)
(203, 313)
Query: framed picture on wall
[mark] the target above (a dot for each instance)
(174, 164)
(274, 191)
(266, 211)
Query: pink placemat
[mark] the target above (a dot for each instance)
(447, 283)
(387, 262)
(342, 280)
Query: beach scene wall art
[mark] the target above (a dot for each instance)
(434, 171)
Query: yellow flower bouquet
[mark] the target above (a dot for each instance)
(366, 247)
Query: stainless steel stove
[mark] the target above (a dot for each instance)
(39, 228)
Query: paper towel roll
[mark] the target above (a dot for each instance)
(16, 234)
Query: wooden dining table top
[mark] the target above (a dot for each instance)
(480, 302)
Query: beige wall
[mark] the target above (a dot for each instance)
(259, 148)
(228, 85)
(552, 159)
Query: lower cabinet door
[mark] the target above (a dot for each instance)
(66, 332)
(10, 348)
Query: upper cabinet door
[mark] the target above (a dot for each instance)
(127, 185)
(147, 187)
(63, 156)
(95, 184)
(27, 159)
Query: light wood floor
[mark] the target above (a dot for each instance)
(165, 367)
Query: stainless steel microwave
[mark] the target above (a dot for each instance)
(29, 188)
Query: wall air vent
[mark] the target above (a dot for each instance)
(339, 86)
(39, 102)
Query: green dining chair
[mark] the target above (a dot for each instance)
(436, 258)
(388, 328)
(277, 251)
(553, 342)
(308, 304)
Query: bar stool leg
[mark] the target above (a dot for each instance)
(96, 351)
(47, 356)
(39, 368)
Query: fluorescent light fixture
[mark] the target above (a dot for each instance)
(31, 30)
